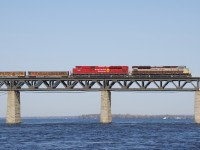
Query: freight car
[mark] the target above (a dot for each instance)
(100, 71)
(63, 74)
(160, 71)
(12, 74)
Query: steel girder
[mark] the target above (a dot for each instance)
(126, 84)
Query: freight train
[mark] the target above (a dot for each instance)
(108, 71)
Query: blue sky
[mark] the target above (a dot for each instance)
(58, 35)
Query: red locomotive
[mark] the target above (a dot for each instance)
(100, 70)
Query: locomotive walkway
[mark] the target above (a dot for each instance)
(105, 85)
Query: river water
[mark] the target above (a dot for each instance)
(79, 133)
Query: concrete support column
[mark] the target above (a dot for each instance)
(106, 116)
(13, 115)
(197, 107)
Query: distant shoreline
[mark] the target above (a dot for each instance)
(120, 116)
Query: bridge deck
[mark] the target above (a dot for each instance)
(100, 84)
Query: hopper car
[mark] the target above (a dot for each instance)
(48, 73)
(12, 74)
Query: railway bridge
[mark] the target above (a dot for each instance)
(104, 85)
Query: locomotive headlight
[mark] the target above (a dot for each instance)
(186, 71)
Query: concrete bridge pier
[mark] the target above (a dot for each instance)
(197, 107)
(13, 115)
(105, 116)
